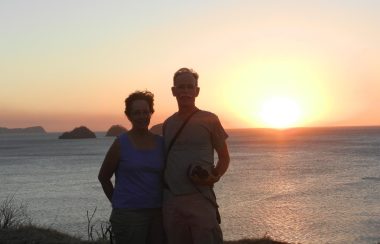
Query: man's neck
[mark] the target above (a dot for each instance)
(183, 112)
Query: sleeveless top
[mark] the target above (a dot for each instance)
(138, 177)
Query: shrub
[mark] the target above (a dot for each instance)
(102, 229)
(13, 214)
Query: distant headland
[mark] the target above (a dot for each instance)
(77, 133)
(33, 129)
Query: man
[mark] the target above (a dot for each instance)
(190, 209)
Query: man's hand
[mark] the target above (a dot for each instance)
(202, 177)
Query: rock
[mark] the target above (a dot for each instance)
(157, 129)
(81, 132)
(33, 129)
(116, 130)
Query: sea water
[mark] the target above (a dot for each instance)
(314, 185)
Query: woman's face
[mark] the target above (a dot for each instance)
(140, 114)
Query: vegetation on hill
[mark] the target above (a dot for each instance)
(16, 228)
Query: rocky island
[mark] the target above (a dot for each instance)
(81, 132)
(116, 130)
(156, 129)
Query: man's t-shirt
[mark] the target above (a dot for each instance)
(195, 145)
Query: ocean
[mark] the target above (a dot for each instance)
(305, 185)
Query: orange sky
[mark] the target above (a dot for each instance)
(269, 64)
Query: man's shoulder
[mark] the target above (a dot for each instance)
(200, 115)
(207, 113)
(166, 122)
(207, 116)
(171, 117)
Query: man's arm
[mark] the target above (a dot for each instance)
(219, 170)
(223, 160)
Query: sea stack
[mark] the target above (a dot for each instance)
(81, 132)
(156, 129)
(116, 130)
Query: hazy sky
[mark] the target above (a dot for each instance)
(301, 63)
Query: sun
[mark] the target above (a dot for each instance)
(280, 112)
(276, 92)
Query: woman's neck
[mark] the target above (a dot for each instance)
(139, 132)
(142, 138)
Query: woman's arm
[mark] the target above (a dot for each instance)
(110, 163)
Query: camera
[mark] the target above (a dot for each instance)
(200, 172)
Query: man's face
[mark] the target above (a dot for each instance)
(185, 90)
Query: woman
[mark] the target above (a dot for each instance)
(137, 160)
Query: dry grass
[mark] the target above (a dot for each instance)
(16, 228)
(32, 235)
(264, 240)
(13, 213)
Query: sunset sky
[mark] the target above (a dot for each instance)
(261, 63)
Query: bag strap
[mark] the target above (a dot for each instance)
(196, 187)
(171, 145)
(179, 132)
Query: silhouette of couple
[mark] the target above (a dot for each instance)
(163, 190)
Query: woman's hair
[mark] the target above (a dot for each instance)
(139, 95)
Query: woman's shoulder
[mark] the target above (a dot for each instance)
(123, 136)
(125, 140)
(158, 137)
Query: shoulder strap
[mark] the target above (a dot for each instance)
(179, 131)
(171, 145)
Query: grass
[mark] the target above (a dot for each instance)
(33, 234)
(264, 240)
(16, 228)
